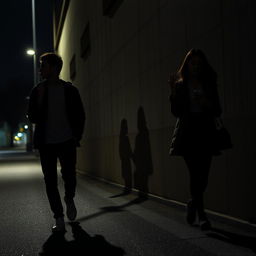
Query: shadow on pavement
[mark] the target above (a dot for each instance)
(116, 208)
(83, 244)
(233, 238)
(124, 193)
(137, 200)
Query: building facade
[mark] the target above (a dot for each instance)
(119, 53)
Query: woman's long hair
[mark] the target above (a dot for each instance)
(207, 76)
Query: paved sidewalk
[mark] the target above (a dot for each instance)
(17, 153)
(108, 222)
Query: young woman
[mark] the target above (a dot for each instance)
(195, 102)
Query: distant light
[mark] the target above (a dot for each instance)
(26, 127)
(20, 134)
(30, 52)
(16, 138)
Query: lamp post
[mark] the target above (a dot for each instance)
(34, 39)
(29, 146)
(32, 52)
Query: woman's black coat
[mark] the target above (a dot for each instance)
(180, 108)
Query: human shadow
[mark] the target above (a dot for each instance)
(56, 244)
(124, 193)
(113, 208)
(142, 155)
(125, 153)
(233, 238)
(118, 208)
(83, 244)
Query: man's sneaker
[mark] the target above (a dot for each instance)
(59, 225)
(71, 208)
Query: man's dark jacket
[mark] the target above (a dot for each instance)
(37, 111)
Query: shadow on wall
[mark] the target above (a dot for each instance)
(83, 244)
(142, 155)
(125, 153)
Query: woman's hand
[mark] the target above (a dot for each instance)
(171, 82)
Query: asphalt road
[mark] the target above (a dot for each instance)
(108, 223)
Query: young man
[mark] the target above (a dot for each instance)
(56, 109)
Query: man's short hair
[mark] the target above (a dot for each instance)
(52, 59)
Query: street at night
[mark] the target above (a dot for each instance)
(108, 223)
(149, 109)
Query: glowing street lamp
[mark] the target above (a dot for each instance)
(31, 52)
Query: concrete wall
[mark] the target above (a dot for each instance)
(131, 57)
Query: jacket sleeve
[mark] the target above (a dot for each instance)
(32, 107)
(214, 107)
(178, 101)
(217, 110)
(79, 114)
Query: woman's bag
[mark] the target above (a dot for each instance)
(222, 136)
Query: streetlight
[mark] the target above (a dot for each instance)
(32, 52)
(34, 39)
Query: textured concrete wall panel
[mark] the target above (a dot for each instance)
(131, 57)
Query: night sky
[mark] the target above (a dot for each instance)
(16, 37)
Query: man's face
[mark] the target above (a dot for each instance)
(46, 70)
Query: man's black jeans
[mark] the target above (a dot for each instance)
(66, 153)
